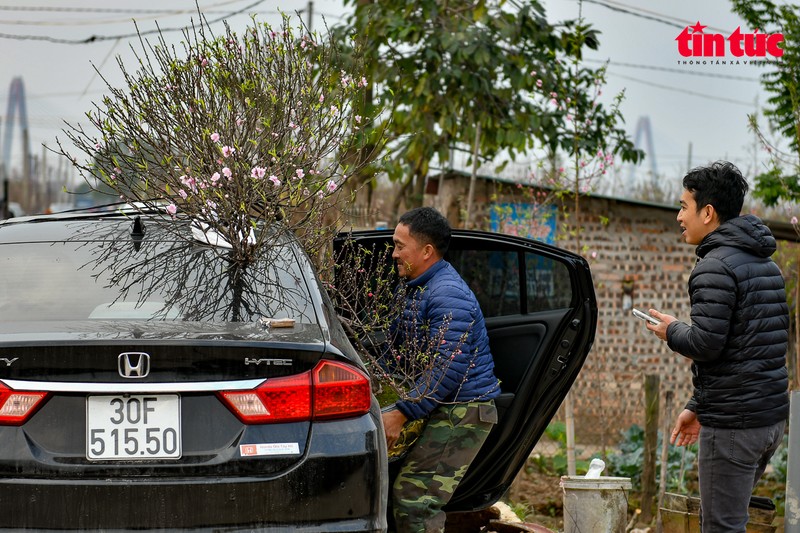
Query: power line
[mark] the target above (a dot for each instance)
(647, 11)
(685, 91)
(58, 94)
(645, 14)
(138, 11)
(209, 10)
(98, 22)
(96, 71)
(675, 70)
(98, 38)
(70, 23)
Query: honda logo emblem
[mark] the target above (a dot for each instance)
(133, 364)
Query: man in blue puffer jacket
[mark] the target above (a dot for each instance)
(442, 320)
(737, 343)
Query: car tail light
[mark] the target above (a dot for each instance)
(339, 391)
(17, 406)
(277, 400)
(330, 390)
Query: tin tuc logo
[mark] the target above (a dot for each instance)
(697, 43)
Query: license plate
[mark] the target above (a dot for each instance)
(133, 427)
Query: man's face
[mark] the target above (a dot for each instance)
(409, 253)
(694, 223)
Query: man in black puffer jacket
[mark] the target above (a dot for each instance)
(737, 342)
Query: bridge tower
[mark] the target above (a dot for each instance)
(16, 105)
(643, 128)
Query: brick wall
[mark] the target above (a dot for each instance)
(639, 250)
(633, 247)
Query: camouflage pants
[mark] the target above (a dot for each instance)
(437, 463)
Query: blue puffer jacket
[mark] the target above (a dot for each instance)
(440, 301)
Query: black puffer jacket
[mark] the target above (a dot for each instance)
(738, 338)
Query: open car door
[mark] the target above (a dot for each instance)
(541, 314)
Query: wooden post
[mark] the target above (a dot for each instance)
(793, 356)
(569, 420)
(6, 210)
(310, 16)
(652, 385)
(792, 514)
(665, 432)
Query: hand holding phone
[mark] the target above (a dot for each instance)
(644, 316)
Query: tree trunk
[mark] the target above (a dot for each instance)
(418, 195)
(400, 198)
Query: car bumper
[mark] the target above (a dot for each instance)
(339, 486)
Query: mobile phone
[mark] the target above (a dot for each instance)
(645, 316)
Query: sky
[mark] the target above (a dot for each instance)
(697, 113)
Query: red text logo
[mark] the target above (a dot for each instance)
(697, 43)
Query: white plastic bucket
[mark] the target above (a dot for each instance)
(595, 505)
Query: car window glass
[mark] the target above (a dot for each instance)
(174, 281)
(548, 283)
(494, 277)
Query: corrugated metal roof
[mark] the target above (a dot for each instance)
(781, 230)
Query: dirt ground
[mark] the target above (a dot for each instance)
(539, 496)
(533, 499)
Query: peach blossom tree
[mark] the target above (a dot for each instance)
(235, 133)
(229, 131)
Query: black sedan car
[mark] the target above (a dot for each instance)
(149, 382)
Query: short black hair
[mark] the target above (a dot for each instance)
(720, 185)
(428, 226)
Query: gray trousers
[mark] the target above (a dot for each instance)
(730, 463)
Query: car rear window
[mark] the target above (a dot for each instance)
(174, 281)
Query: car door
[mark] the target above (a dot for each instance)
(541, 315)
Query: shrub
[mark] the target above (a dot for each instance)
(630, 458)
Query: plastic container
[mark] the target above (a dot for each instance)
(597, 505)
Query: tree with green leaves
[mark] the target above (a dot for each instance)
(780, 183)
(782, 83)
(473, 75)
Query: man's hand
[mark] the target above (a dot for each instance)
(392, 424)
(686, 430)
(660, 329)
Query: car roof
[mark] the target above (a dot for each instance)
(110, 223)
